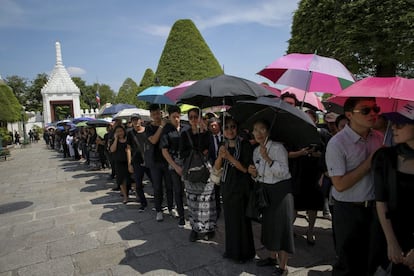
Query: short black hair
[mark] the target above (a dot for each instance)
(172, 109)
(351, 102)
(290, 95)
(340, 118)
(194, 109)
(263, 122)
(154, 107)
(214, 120)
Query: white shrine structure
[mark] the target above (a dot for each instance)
(60, 90)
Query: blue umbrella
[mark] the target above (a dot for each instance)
(113, 109)
(156, 94)
(82, 119)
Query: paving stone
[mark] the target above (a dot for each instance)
(72, 245)
(78, 217)
(12, 244)
(13, 219)
(32, 226)
(53, 212)
(50, 235)
(22, 258)
(60, 266)
(9, 273)
(100, 258)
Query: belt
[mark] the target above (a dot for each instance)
(364, 204)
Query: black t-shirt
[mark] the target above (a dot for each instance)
(138, 142)
(170, 139)
(120, 155)
(200, 142)
(155, 150)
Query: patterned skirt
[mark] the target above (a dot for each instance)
(201, 202)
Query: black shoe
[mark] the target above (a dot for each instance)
(116, 189)
(266, 262)
(280, 272)
(193, 236)
(209, 235)
(181, 222)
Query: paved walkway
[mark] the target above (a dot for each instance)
(56, 218)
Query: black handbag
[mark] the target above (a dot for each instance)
(262, 198)
(196, 168)
(258, 200)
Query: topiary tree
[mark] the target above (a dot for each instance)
(10, 108)
(186, 56)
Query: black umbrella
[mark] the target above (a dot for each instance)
(333, 107)
(98, 123)
(289, 125)
(222, 90)
(113, 109)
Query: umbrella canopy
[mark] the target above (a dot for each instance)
(311, 100)
(113, 109)
(222, 90)
(126, 113)
(289, 125)
(64, 122)
(391, 93)
(176, 91)
(274, 90)
(98, 123)
(82, 124)
(101, 131)
(309, 72)
(155, 94)
(82, 119)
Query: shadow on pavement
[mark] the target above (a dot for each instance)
(14, 206)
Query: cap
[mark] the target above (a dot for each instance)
(404, 115)
(135, 116)
(330, 117)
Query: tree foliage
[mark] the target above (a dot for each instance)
(88, 93)
(19, 87)
(34, 100)
(10, 108)
(128, 94)
(186, 56)
(370, 37)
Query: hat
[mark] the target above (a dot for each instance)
(135, 116)
(404, 115)
(330, 117)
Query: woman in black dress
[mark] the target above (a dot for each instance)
(393, 172)
(119, 152)
(234, 158)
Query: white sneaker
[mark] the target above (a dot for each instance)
(159, 217)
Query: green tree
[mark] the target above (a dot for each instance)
(34, 100)
(147, 80)
(87, 96)
(106, 94)
(186, 56)
(19, 87)
(10, 108)
(128, 94)
(370, 37)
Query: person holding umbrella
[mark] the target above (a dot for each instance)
(234, 158)
(272, 171)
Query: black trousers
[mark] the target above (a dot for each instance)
(178, 188)
(359, 239)
(161, 175)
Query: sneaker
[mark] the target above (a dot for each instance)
(141, 209)
(173, 213)
(181, 222)
(159, 217)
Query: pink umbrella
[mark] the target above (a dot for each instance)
(176, 91)
(274, 90)
(309, 72)
(311, 98)
(391, 92)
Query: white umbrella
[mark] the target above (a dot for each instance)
(126, 113)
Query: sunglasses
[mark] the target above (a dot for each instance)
(367, 110)
(230, 127)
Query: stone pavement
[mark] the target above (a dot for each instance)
(56, 218)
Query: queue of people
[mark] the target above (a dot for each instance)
(368, 188)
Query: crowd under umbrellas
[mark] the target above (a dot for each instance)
(246, 102)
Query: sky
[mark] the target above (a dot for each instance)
(108, 41)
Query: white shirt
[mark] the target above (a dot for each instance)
(279, 170)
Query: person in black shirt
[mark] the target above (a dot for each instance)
(138, 142)
(170, 147)
(158, 165)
